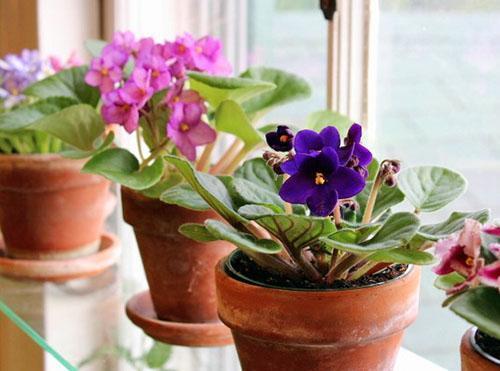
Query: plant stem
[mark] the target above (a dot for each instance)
(152, 128)
(155, 153)
(343, 267)
(309, 270)
(139, 146)
(362, 270)
(237, 159)
(204, 161)
(370, 204)
(336, 216)
(226, 157)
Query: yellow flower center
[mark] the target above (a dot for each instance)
(284, 138)
(469, 261)
(320, 179)
(14, 91)
(198, 49)
(181, 49)
(176, 99)
(155, 73)
(184, 127)
(104, 71)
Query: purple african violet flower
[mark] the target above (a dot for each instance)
(104, 73)
(358, 154)
(118, 110)
(207, 56)
(280, 140)
(320, 182)
(460, 253)
(489, 275)
(138, 90)
(186, 127)
(16, 73)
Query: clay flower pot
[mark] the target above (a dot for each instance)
(316, 330)
(49, 209)
(179, 271)
(473, 357)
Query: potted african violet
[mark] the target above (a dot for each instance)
(176, 98)
(48, 209)
(325, 276)
(469, 272)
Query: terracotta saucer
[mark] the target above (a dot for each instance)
(141, 312)
(63, 270)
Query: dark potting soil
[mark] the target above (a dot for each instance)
(248, 268)
(487, 343)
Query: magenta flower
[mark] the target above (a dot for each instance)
(182, 49)
(160, 72)
(138, 90)
(103, 73)
(125, 40)
(489, 275)
(186, 127)
(495, 249)
(492, 229)
(207, 56)
(461, 254)
(119, 110)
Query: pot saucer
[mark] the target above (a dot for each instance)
(63, 270)
(141, 312)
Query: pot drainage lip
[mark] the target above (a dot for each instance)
(63, 269)
(479, 350)
(141, 312)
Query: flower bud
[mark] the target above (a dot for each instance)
(280, 140)
(390, 181)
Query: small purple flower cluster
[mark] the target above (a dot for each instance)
(322, 171)
(461, 253)
(158, 67)
(16, 73)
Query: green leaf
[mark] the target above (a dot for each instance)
(259, 173)
(397, 231)
(210, 188)
(481, 307)
(454, 223)
(247, 192)
(320, 119)
(430, 188)
(184, 195)
(79, 126)
(157, 189)
(95, 46)
(23, 117)
(158, 355)
(255, 211)
(242, 240)
(196, 232)
(295, 231)
(403, 256)
(372, 170)
(289, 87)
(448, 281)
(230, 118)
(387, 197)
(98, 146)
(67, 83)
(216, 89)
(121, 166)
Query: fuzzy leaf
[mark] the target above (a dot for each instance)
(184, 195)
(158, 355)
(289, 87)
(387, 197)
(196, 232)
(210, 188)
(247, 192)
(230, 118)
(244, 241)
(454, 223)
(67, 83)
(122, 167)
(216, 89)
(430, 188)
(320, 119)
(448, 281)
(481, 307)
(98, 146)
(403, 256)
(259, 173)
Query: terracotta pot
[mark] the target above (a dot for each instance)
(180, 271)
(474, 358)
(48, 209)
(283, 329)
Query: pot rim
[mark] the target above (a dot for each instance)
(233, 274)
(478, 349)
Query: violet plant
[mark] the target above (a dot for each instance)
(320, 210)
(469, 273)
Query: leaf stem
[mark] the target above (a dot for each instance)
(154, 154)
(139, 146)
(372, 198)
(343, 267)
(226, 157)
(236, 160)
(336, 216)
(204, 161)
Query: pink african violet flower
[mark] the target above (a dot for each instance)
(495, 249)
(138, 90)
(492, 229)
(118, 110)
(57, 64)
(207, 56)
(103, 73)
(461, 254)
(125, 39)
(186, 127)
(181, 49)
(489, 275)
(160, 73)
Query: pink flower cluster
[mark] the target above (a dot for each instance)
(156, 68)
(461, 253)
